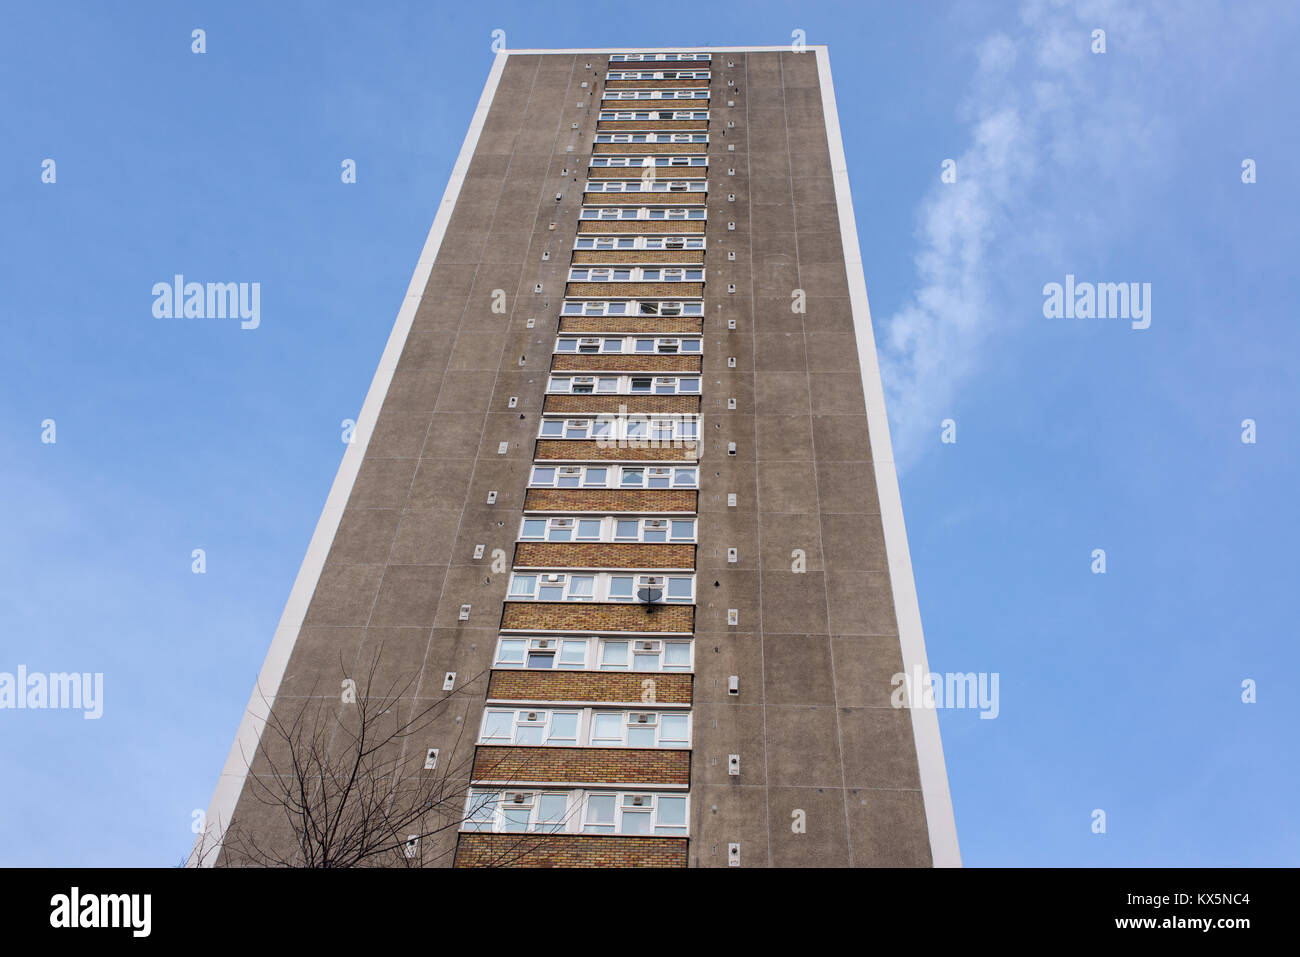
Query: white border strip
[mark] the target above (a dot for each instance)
(925, 721)
(231, 782)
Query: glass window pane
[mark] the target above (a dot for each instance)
(523, 585)
(635, 822)
(683, 531)
(573, 652)
(533, 528)
(497, 725)
(583, 586)
(552, 809)
(607, 727)
(564, 726)
(614, 653)
(511, 651)
(672, 811)
(620, 586)
(600, 809)
(589, 529)
(679, 588)
(674, 728)
(625, 529)
(677, 654)
(641, 737)
(543, 476)
(531, 734)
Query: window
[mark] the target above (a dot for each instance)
(577, 811)
(642, 115)
(624, 162)
(584, 476)
(577, 529)
(646, 186)
(653, 274)
(677, 589)
(628, 654)
(589, 307)
(635, 814)
(641, 212)
(609, 345)
(551, 587)
(530, 727)
(657, 477)
(585, 727)
(654, 530)
(565, 429)
(603, 586)
(652, 137)
(586, 653)
(609, 385)
(560, 530)
(519, 811)
(541, 653)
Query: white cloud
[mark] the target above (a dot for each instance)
(1041, 106)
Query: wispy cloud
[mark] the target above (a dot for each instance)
(1040, 105)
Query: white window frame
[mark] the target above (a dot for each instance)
(606, 586)
(636, 274)
(676, 477)
(559, 649)
(646, 186)
(577, 816)
(628, 383)
(669, 308)
(570, 344)
(635, 161)
(609, 529)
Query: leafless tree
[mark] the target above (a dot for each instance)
(347, 782)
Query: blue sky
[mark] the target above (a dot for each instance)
(1119, 691)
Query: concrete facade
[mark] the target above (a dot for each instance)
(804, 613)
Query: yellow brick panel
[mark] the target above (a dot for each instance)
(673, 362)
(672, 555)
(656, 500)
(594, 616)
(623, 687)
(569, 850)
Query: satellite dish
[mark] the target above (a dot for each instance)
(650, 595)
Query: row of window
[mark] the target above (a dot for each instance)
(602, 586)
(594, 654)
(695, 94)
(646, 186)
(653, 115)
(639, 242)
(640, 212)
(637, 428)
(623, 385)
(577, 812)
(657, 75)
(586, 728)
(613, 476)
(611, 162)
(636, 274)
(658, 57)
(609, 529)
(652, 136)
(628, 345)
(630, 307)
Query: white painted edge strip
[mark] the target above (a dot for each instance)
(940, 822)
(247, 738)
